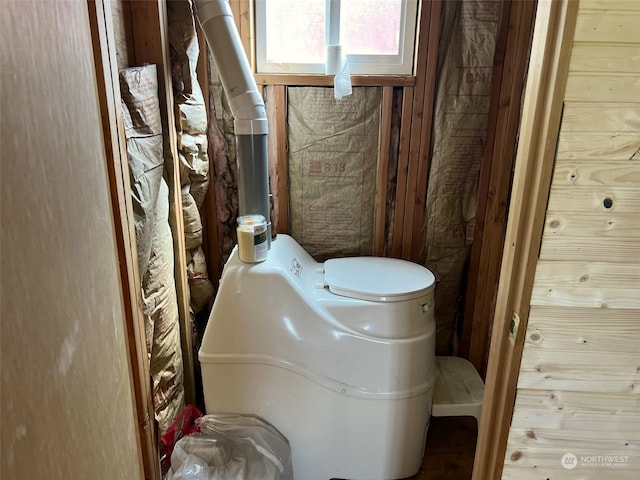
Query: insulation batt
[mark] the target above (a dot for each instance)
(463, 98)
(143, 131)
(191, 124)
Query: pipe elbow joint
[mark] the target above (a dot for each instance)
(208, 9)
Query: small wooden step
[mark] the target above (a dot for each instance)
(458, 390)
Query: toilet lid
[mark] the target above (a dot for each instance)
(377, 279)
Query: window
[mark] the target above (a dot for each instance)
(377, 35)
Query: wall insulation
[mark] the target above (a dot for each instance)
(463, 97)
(222, 150)
(191, 127)
(150, 195)
(333, 154)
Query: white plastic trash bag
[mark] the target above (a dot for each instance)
(232, 447)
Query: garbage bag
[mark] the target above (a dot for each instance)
(232, 447)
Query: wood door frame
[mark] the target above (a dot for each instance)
(108, 93)
(540, 124)
(149, 44)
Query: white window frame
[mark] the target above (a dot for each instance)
(400, 64)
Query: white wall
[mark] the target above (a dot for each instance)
(66, 399)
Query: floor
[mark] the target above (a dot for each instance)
(451, 443)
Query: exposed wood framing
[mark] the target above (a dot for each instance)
(209, 227)
(382, 179)
(151, 45)
(424, 85)
(108, 88)
(278, 159)
(542, 110)
(123, 36)
(415, 139)
(402, 172)
(424, 152)
(243, 17)
(510, 65)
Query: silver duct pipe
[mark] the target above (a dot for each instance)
(247, 106)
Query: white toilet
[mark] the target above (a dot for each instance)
(339, 356)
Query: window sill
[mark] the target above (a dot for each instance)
(327, 80)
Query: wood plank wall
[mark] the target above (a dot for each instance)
(579, 382)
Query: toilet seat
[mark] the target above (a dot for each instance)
(377, 279)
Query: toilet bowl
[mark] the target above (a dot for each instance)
(339, 356)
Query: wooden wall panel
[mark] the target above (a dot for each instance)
(596, 199)
(598, 146)
(579, 382)
(584, 87)
(612, 27)
(588, 274)
(598, 118)
(623, 250)
(598, 58)
(587, 474)
(610, 5)
(579, 172)
(590, 225)
(572, 340)
(585, 297)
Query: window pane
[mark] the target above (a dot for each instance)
(295, 31)
(370, 27)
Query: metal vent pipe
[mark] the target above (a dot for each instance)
(247, 106)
